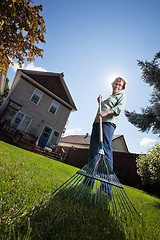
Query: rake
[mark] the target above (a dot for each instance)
(94, 180)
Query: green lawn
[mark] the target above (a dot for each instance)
(29, 211)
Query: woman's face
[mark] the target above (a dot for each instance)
(117, 86)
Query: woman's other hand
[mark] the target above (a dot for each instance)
(99, 99)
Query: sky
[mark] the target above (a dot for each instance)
(92, 42)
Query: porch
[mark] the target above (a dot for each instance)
(14, 136)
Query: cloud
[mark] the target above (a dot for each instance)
(73, 131)
(147, 142)
(29, 66)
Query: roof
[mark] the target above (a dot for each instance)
(81, 139)
(53, 82)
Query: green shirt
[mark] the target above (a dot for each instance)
(115, 102)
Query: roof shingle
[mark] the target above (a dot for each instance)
(81, 139)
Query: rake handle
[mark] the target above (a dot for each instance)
(100, 123)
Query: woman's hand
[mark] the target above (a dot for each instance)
(100, 115)
(104, 114)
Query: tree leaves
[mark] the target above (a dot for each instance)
(149, 118)
(151, 72)
(149, 166)
(21, 28)
(5, 93)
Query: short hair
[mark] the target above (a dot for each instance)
(118, 79)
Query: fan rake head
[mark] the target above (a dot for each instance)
(97, 184)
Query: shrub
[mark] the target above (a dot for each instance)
(149, 167)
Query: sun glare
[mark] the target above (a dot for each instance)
(109, 79)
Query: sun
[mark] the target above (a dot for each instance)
(110, 79)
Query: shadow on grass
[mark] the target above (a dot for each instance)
(66, 219)
(152, 190)
(157, 205)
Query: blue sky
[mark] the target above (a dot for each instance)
(92, 42)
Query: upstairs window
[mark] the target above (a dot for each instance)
(54, 107)
(36, 97)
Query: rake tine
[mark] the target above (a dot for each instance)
(117, 198)
(87, 168)
(98, 193)
(113, 200)
(83, 189)
(110, 198)
(126, 203)
(90, 187)
(64, 184)
(92, 192)
(131, 204)
(71, 188)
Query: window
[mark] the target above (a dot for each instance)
(10, 113)
(18, 119)
(21, 121)
(46, 132)
(25, 123)
(54, 107)
(54, 139)
(36, 96)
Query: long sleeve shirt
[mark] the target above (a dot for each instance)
(115, 102)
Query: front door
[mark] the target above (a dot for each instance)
(44, 137)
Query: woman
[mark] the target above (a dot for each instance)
(111, 109)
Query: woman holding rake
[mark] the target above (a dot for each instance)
(110, 110)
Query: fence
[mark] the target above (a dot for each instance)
(124, 164)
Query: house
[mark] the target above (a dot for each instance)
(38, 105)
(83, 141)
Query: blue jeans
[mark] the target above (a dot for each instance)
(108, 131)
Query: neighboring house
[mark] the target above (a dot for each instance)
(83, 141)
(38, 104)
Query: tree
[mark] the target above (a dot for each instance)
(148, 166)
(21, 29)
(149, 118)
(5, 93)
